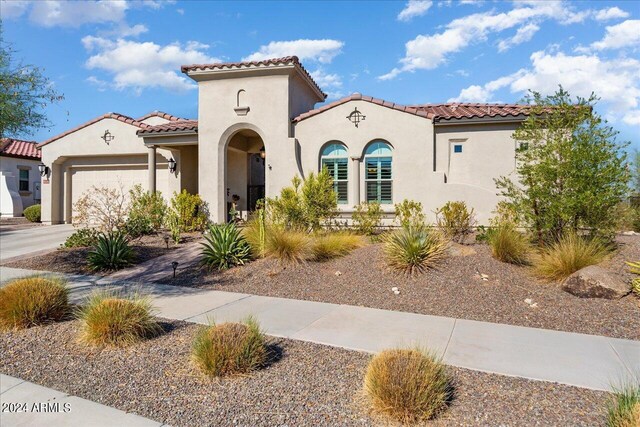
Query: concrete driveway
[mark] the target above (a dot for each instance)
(17, 243)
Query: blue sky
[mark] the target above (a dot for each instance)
(124, 56)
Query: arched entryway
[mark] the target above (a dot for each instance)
(245, 172)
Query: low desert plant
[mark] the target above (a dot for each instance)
(32, 213)
(81, 238)
(224, 247)
(407, 385)
(509, 245)
(115, 321)
(624, 407)
(33, 301)
(456, 220)
(409, 213)
(187, 213)
(414, 250)
(229, 349)
(104, 208)
(147, 211)
(367, 218)
(288, 246)
(255, 233)
(635, 283)
(111, 252)
(568, 255)
(334, 245)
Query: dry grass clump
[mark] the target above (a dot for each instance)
(334, 245)
(229, 349)
(509, 245)
(33, 301)
(113, 321)
(624, 407)
(288, 246)
(414, 249)
(407, 385)
(568, 255)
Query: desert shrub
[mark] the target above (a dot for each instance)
(409, 213)
(288, 246)
(635, 283)
(104, 208)
(334, 245)
(255, 233)
(32, 213)
(305, 205)
(229, 349)
(367, 218)
(224, 247)
(187, 213)
(414, 250)
(111, 252)
(146, 210)
(509, 245)
(110, 320)
(81, 238)
(456, 220)
(623, 409)
(33, 301)
(407, 385)
(568, 255)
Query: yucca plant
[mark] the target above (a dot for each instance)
(111, 252)
(224, 247)
(624, 407)
(635, 283)
(414, 249)
(33, 301)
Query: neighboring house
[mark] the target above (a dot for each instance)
(257, 128)
(19, 176)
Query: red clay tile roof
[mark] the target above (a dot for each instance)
(264, 63)
(177, 126)
(10, 147)
(160, 114)
(116, 116)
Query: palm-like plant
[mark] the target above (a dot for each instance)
(111, 252)
(225, 247)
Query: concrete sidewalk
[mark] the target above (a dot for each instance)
(588, 361)
(34, 405)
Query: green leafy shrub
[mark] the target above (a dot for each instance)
(635, 283)
(414, 250)
(229, 349)
(32, 213)
(224, 247)
(255, 232)
(334, 245)
(408, 386)
(111, 252)
(367, 218)
(188, 212)
(409, 213)
(623, 408)
(568, 255)
(456, 220)
(33, 301)
(82, 238)
(147, 212)
(288, 246)
(109, 320)
(509, 245)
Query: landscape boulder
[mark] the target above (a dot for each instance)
(596, 282)
(456, 249)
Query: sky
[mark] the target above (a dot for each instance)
(125, 56)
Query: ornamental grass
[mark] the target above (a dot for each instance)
(33, 301)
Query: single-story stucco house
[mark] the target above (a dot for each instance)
(257, 128)
(19, 176)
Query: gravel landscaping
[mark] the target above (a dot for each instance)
(510, 294)
(306, 384)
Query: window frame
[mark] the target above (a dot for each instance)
(379, 180)
(327, 157)
(22, 180)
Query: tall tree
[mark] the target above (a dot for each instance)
(24, 94)
(571, 170)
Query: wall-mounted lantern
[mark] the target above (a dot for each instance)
(107, 137)
(172, 165)
(263, 154)
(44, 169)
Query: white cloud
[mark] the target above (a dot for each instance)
(524, 34)
(13, 9)
(101, 85)
(610, 13)
(414, 8)
(323, 50)
(330, 83)
(618, 36)
(632, 118)
(140, 65)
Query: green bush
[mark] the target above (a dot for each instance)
(288, 246)
(82, 238)
(624, 407)
(414, 250)
(109, 320)
(32, 213)
(229, 349)
(367, 218)
(147, 212)
(255, 232)
(188, 212)
(456, 220)
(635, 283)
(334, 245)
(408, 386)
(224, 247)
(509, 245)
(111, 252)
(409, 213)
(33, 301)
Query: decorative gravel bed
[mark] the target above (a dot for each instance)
(511, 294)
(308, 384)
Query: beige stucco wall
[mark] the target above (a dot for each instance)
(10, 168)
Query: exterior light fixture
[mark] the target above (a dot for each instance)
(174, 264)
(165, 237)
(107, 137)
(44, 169)
(172, 165)
(263, 154)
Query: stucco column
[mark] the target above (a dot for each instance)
(355, 182)
(68, 194)
(151, 163)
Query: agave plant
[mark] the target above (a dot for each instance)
(224, 247)
(635, 283)
(111, 252)
(414, 249)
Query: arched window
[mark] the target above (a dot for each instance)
(378, 177)
(334, 158)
